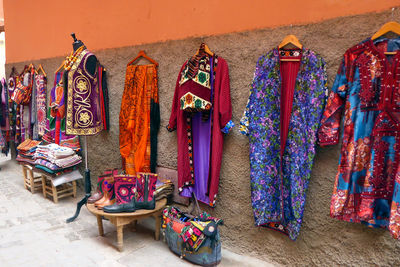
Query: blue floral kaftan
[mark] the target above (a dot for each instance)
(280, 174)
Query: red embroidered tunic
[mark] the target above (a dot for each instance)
(214, 77)
(366, 92)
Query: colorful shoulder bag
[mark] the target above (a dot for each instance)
(23, 90)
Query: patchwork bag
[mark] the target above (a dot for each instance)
(195, 239)
(23, 91)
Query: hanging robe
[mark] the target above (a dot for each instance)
(281, 119)
(200, 136)
(366, 98)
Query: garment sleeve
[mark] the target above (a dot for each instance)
(225, 105)
(328, 133)
(244, 121)
(175, 105)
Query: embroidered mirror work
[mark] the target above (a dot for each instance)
(366, 92)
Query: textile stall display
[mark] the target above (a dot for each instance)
(201, 113)
(23, 108)
(289, 111)
(365, 96)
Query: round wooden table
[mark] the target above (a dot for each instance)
(124, 218)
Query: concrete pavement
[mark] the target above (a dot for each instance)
(33, 232)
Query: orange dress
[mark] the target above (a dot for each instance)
(139, 119)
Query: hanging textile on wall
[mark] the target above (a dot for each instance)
(19, 132)
(83, 107)
(11, 106)
(139, 118)
(281, 119)
(366, 92)
(33, 111)
(56, 114)
(4, 118)
(38, 105)
(41, 90)
(201, 113)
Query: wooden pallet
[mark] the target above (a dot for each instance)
(31, 182)
(57, 192)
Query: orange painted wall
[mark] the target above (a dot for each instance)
(40, 29)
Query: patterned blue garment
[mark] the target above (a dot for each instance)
(279, 183)
(365, 100)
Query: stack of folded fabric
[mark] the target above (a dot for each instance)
(66, 141)
(56, 159)
(164, 188)
(72, 143)
(26, 151)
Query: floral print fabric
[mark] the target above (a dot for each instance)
(366, 92)
(278, 184)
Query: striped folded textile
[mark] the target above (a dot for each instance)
(25, 160)
(68, 162)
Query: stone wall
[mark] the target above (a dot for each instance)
(322, 240)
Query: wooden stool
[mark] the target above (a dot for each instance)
(121, 219)
(31, 182)
(57, 192)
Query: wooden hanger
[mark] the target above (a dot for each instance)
(391, 26)
(61, 67)
(40, 68)
(290, 39)
(31, 67)
(143, 54)
(204, 47)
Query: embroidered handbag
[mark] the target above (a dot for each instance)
(23, 90)
(195, 239)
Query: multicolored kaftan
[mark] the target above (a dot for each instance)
(281, 119)
(366, 91)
